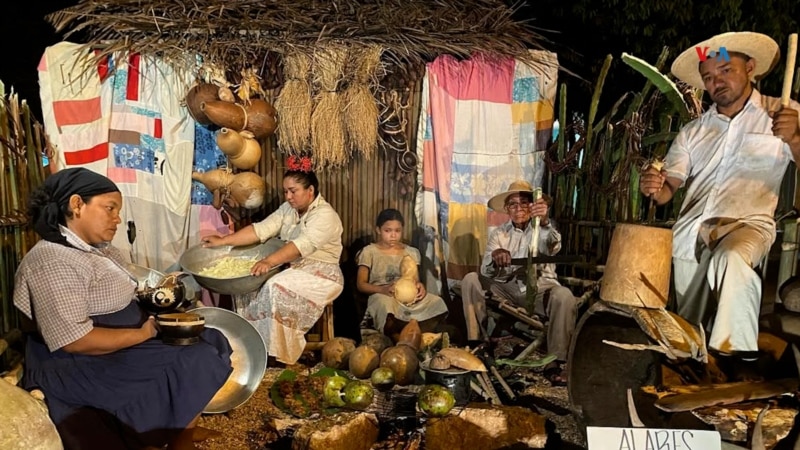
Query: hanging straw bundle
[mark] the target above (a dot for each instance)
(294, 105)
(328, 140)
(361, 113)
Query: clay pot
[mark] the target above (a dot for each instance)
(248, 190)
(258, 117)
(199, 93)
(249, 154)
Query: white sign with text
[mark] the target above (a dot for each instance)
(607, 438)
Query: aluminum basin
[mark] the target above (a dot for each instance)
(197, 258)
(249, 358)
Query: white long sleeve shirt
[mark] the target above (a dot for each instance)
(317, 233)
(517, 242)
(731, 168)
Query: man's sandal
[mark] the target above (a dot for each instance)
(556, 374)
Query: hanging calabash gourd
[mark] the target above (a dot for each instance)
(258, 117)
(214, 179)
(405, 288)
(241, 147)
(197, 95)
(247, 189)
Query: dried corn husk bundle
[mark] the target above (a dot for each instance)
(294, 105)
(361, 114)
(328, 139)
(250, 86)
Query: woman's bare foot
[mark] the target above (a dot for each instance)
(200, 434)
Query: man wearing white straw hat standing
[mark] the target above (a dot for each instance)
(731, 161)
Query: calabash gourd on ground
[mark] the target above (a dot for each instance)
(402, 359)
(336, 352)
(411, 335)
(363, 361)
(405, 288)
(378, 341)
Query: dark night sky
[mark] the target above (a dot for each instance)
(25, 35)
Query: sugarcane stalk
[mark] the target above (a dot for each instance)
(561, 186)
(12, 154)
(606, 175)
(4, 150)
(533, 249)
(588, 149)
(6, 263)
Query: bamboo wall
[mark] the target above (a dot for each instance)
(22, 144)
(358, 193)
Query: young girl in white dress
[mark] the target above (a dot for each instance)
(379, 268)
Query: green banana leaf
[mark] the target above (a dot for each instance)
(541, 362)
(660, 81)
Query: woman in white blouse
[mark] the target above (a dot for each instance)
(289, 303)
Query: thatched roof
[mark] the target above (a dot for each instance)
(241, 33)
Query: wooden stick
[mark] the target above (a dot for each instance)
(530, 348)
(503, 383)
(480, 391)
(788, 75)
(486, 384)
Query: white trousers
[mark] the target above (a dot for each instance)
(725, 273)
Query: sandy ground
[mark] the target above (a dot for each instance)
(245, 428)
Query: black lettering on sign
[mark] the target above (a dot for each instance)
(683, 438)
(662, 439)
(650, 443)
(627, 442)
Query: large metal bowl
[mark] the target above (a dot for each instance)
(249, 358)
(197, 258)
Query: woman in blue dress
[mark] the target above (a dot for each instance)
(108, 383)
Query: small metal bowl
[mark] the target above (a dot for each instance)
(197, 258)
(180, 328)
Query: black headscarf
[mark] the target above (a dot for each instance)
(54, 197)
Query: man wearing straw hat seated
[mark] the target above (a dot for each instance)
(730, 160)
(507, 281)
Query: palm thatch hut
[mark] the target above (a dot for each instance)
(258, 48)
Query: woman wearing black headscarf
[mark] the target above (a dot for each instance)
(107, 383)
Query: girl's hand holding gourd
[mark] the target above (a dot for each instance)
(421, 291)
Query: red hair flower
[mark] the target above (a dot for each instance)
(299, 163)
